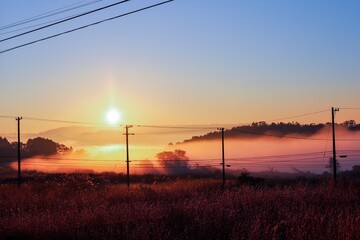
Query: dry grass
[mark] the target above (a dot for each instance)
(183, 209)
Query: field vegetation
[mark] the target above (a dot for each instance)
(83, 206)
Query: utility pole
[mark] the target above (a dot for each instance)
(127, 154)
(19, 148)
(333, 110)
(223, 157)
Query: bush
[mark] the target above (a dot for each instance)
(246, 179)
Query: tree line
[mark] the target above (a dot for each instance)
(33, 147)
(260, 129)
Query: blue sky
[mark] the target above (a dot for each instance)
(187, 62)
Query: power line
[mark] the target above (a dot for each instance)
(180, 127)
(85, 26)
(36, 25)
(65, 159)
(294, 162)
(49, 14)
(293, 137)
(32, 26)
(65, 20)
(277, 119)
(309, 160)
(176, 127)
(279, 156)
(297, 116)
(212, 166)
(350, 108)
(112, 165)
(188, 127)
(233, 160)
(12, 117)
(172, 132)
(63, 121)
(347, 139)
(349, 150)
(56, 120)
(194, 160)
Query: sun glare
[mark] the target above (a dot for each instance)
(113, 116)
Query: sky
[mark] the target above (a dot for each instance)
(185, 62)
(182, 63)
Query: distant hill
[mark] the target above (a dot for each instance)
(261, 129)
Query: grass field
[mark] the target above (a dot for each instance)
(79, 207)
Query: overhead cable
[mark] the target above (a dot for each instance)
(84, 26)
(62, 21)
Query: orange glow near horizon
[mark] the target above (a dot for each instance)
(108, 158)
(256, 154)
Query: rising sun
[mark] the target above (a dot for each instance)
(113, 116)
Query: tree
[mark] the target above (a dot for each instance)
(33, 147)
(45, 147)
(176, 162)
(7, 150)
(5, 145)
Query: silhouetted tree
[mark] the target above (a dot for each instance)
(5, 145)
(175, 162)
(7, 150)
(33, 147)
(45, 147)
(41, 146)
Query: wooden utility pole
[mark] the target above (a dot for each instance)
(223, 157)
(19, 148)
(333, 110)
(127, 155)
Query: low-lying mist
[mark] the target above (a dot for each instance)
(290, 153)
